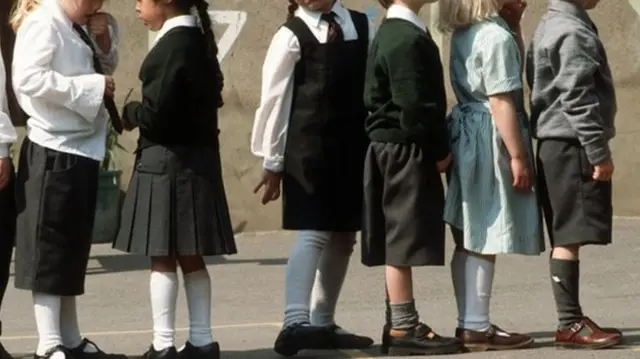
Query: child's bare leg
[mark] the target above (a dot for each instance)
(400, 290)
(197, 286)
(163, 287)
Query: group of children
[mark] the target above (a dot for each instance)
(322, 93)
(348, 115)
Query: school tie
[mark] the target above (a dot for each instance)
(109, 103)
(335, 33)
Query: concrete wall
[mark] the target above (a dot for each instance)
(244, 30)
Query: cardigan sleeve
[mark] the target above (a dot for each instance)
(160, 83)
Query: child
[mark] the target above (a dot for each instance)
(308, 129)
(491, 205)
(175, 210)
(404, 199)
(8, 136)
(573, 106)
(56, 80)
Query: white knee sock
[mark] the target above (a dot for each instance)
(163, 287)
(47, 313)
(197, 286)
(330, 276)
(474, 301)
(301, 273)
(71, 337)
(458, 279)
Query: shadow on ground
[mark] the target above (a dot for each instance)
(129, 263)
(630, 339)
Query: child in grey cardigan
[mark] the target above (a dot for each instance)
(573, 106)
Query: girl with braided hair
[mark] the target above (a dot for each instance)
(309, 131)
(175, 210)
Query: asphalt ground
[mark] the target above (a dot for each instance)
(248, 291)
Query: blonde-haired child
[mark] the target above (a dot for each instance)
(491, 205)
(59, 81)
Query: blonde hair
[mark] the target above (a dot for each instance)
(20, 12)
(455, 14)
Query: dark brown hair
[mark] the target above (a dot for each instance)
(293, 6)
(202, 7)
(385, 3)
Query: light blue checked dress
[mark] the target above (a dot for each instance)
(481, 201)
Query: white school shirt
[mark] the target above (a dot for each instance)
(57, 86)
(178, 21)
(396, 11)
(268, 137)
(8, 134)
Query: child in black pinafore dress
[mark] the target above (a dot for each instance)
(309, 130)
(176, 210)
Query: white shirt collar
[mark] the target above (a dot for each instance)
(396, 11)
(178, 21)
(313, 17)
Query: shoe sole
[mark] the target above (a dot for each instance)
(596, 346)
(475, 348)
(291, 350)
(398, 352)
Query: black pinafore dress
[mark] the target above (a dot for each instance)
(326, 142)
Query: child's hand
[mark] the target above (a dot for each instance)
(521, 174)
(444, 164)
(603, 171)
(110, 86)
(271, 181)
(99, 24)
(512, 12)
(99, 27)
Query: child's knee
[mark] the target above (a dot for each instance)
(343, 242)
(190, 264)
(163, 264)
(317, 239)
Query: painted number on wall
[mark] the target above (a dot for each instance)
(235, 21)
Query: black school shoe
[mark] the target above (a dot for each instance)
(297, 337)
(80, 353)
(211, 351)
(420, 340)
(167, 353)
(4, 354)
(55, 350)
(342, 339)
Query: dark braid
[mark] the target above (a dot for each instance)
(293, 6)
(212, 48)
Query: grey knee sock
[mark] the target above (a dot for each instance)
(404, 315)
(300, 275)
(332, 269)
(565, 282)
(387, 313)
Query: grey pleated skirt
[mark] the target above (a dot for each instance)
(176, 204)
